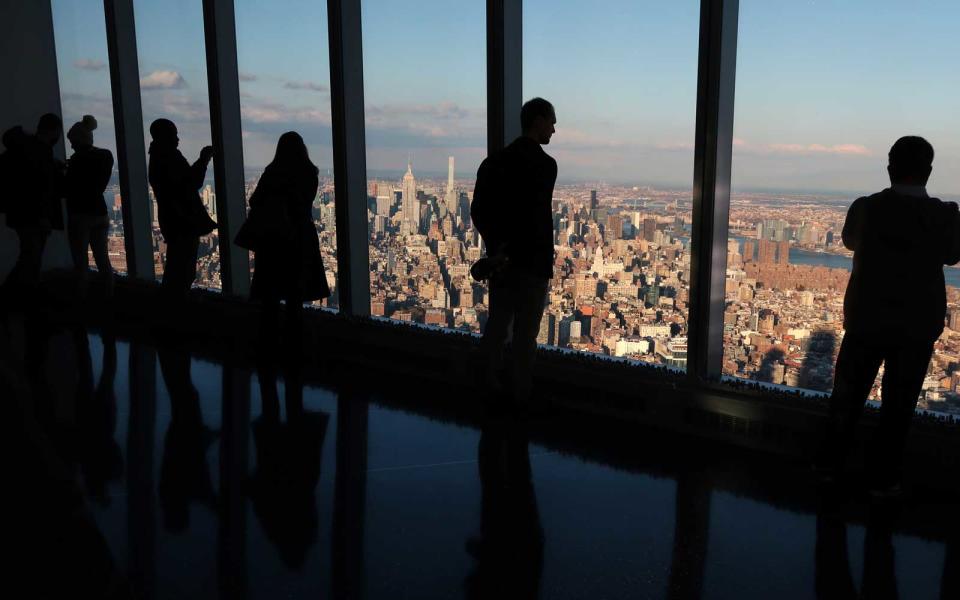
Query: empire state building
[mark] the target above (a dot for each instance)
(409, 202)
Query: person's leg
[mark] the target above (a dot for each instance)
(906, 366)
(531, 296)
(30, 260)
(181, 267)
(857, 366)
(98, 243)
(173, 265)
(496, 330)
(78, 237)
(293, 332)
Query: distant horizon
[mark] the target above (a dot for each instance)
(800, 119)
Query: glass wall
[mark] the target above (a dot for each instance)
(84, 70)
(173, 85)
(623, 79)
(425, 93)
(284, 64)
(823, 91)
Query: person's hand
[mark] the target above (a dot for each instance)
(206, 153)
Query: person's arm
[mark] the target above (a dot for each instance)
(853, 225)
(952, 235)
(106, 170)
(198, 170)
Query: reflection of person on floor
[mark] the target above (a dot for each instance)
(288, 469)
(101, 460)
(509, 551)
(184, 476)
(832, 564)
(54, 547)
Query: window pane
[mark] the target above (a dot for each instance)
(425, 88)
(823, 91)
(623, 79)
(173, 85)
(284, 64)
(82, 61)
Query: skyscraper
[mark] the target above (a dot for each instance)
(451, 198)
(593, 200)
(649, 229)
(748, 250)
(409, 202)
(783, 252)
(767, 253)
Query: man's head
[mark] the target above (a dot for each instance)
(49, 128)
(537, 118)
(164, 131)
(911, 161)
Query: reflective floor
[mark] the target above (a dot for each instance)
(142, 471)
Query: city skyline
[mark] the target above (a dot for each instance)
(630, 120)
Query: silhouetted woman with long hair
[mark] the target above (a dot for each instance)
(88, 173)
(288, 265)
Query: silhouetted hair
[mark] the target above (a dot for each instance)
(531, 109)
(49, 122)
(162, 129)
(292, 154)
(911, 156)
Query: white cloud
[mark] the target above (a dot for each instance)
(163, 80)
(841, 149)
(280, 113)
(89, 64)
(309, 86)
(790, 149)
(247, 76)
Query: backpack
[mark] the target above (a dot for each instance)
(490, 188)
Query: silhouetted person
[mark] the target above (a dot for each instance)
(288, 265)
(180, 212)
(11, 166)
(184, 476)
(518, 232)
(33, 205)
(288, 469)
(88, 173)
(899, 230)
(509, 551)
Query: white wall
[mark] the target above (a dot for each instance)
(28, 77)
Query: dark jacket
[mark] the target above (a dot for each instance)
(35, 185)
(88, 173)
(292, 269)
(528, 213)
(900, 244)
(176, 184)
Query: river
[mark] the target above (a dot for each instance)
(799, 256)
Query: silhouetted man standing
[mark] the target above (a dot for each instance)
(183, 219)
(34, 191)
(897, 232)
(522, 239)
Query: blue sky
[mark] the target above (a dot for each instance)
(823, 87)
